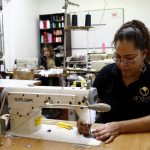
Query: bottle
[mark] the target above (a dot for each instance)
(103, 47)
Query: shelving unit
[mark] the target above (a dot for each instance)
(1, 36)
(78, 27)
(52, 31)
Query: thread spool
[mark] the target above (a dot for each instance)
(45, 37)
(74, 20)
(48, 24)
(45, 24)
(41, 24)
(88, 20)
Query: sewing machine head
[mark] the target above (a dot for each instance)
(25, 104)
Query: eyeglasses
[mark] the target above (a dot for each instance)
(118, 60)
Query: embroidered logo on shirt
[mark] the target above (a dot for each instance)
(144, 91)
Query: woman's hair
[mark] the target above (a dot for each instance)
(50, 49)
(137, 32)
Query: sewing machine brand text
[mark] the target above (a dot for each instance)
(23, 100)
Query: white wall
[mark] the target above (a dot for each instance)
(140, 12)
(20, 30)
(21, 21)
(51, 6)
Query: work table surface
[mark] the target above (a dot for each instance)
(139, 141)
(17, 83)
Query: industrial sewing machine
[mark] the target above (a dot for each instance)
(25, 105)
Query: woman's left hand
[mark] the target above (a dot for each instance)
(107, 132)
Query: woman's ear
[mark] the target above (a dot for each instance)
(145, 52)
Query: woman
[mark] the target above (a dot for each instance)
(48, 61)
(125, 85)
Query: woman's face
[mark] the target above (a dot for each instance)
(46, 52)
(129, 59)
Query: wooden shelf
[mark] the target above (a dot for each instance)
(85, 70)
(76, 61)
(78, 27)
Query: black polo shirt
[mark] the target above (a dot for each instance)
(126, 103)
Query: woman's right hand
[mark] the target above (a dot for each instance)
(41, 68)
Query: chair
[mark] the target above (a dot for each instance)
(23, 75)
